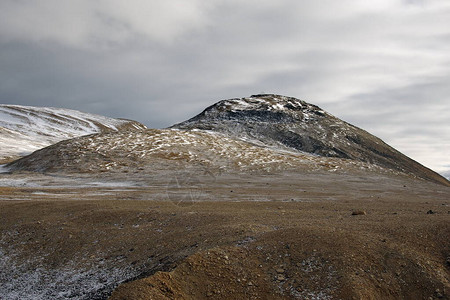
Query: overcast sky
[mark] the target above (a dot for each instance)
(382, 65)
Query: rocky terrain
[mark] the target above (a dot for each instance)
(154, 151)
(265, 197)
(266, 236)
(24, 129)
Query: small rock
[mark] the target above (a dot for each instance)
(209, 294)
(250, 283)
(281, 277)
(280, 270)
(438, 294)
(358, 213)
(430, 212)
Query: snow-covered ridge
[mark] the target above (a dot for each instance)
(24, 129)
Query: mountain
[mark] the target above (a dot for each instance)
(261, 133)
(293, 124)
(24, 129)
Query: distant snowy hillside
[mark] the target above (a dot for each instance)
(24, 129)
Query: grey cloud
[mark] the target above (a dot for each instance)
(91, 24)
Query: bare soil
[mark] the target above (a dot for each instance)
(314, 236)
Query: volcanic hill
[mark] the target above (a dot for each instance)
(290, 123)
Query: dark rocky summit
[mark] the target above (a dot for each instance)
(293, 124)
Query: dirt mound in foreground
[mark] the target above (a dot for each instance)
(307, 263)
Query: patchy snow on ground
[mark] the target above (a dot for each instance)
(16, 182)
(54, 182)
(26, 282)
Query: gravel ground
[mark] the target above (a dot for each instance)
(319, 235)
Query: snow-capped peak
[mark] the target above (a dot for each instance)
(267, 102)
